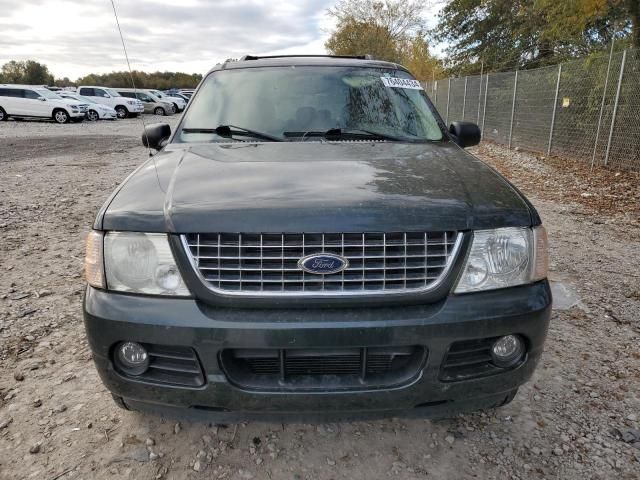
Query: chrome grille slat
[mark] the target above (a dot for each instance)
(267, 264)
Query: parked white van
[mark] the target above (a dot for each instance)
(31, 101)
(124, 107)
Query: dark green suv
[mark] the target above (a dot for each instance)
(313, 242)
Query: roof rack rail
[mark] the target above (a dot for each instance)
(256, 57)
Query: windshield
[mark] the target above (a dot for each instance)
(154, 98)
(112, 92)
(48, 94)
(291, 102)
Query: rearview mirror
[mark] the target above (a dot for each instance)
(465, 134)
(155, 136)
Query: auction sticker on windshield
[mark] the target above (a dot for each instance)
(394, 82)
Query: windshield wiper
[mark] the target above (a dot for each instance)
(348, 133)
(232, 130)
(358, 133)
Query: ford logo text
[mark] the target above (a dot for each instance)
(323, 263)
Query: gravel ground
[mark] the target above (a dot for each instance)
(577, 419)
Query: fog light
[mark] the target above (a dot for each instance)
(132, 358)
(507, 351)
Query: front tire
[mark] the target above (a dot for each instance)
(159, 111)
(122, 111)
(60, 116)
(3, 115)
(93, 116)
(175, 108)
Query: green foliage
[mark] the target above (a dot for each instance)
(156, 80)
(28, 72)
(391, 30)
(509, 34)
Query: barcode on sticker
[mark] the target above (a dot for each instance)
(394, 82)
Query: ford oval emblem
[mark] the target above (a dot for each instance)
(323, 263)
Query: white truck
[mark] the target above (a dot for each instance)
(124, 107)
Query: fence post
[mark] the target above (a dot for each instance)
(513, 108)
(435, 95)
(484, 108)
(448, 98)
(555, 107)
(480, 92)
(604, 96)
(464, 98)
(433, 82)
(615, 106)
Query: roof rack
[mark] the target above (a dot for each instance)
(356, 57)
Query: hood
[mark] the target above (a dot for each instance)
(314, 187)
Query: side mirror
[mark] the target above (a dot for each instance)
(465, 134)
(155, 136)
(106, 95)
(42, 99)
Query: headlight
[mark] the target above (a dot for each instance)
(505, 257)
(139, 263)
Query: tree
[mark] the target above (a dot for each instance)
(508, 34)
(391, 30)
(28, 72)
(156, 80)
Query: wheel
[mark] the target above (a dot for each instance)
(175, 108)
(159, 111)
(3, 114)
(61, 116)
(122, 111)
(93, 116)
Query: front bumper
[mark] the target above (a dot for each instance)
(111, 318)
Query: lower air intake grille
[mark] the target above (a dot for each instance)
(325, 369)
(469, 359)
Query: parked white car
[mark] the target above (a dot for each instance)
(96, 111)
(178, 102)
(31, 101)
(124, 107)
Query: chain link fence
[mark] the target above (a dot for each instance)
(585, 109)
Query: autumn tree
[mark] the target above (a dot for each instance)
(392, 30)
(155, 80)
(508, 34)
(27, 72)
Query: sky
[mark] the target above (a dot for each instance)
(77, 37)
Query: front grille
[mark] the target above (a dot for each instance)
(171, 365)
(325, 369)
(469, 359)
(267, 264)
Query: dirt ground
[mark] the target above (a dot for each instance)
(577, 418)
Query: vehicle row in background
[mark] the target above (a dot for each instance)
(86, 101)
